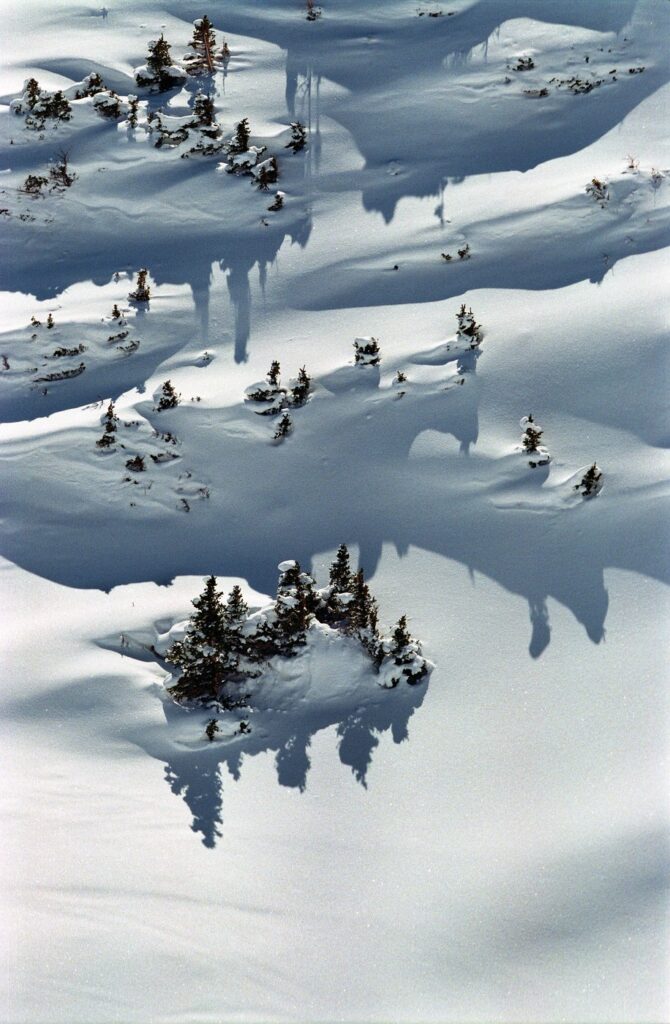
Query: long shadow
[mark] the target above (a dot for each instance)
(196, 776)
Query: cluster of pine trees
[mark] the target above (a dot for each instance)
(591, 483)
(224, 646)
(277, 398)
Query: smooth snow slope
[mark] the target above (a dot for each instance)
(493, 846)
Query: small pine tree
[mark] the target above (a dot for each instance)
(133, 111)
(367, 352)
(362, 612)
(295, 595)
(403, 655)
(160, 72)
(340, 577)
(532, 434)
(273, 374)
(116, 312)
(91, 85)
(204, 115)
(32, 92)
(109, 423)
(301, 390)
(267, 173)
(240, 140)
(58, 107)
(50, 321)
(298, 138)
(136, 464)
(169, 398)
(142, 291)
(591, 483)
(284, 427)
(204, 60)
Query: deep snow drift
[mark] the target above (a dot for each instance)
(475, 234)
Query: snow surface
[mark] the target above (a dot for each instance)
(491, 845)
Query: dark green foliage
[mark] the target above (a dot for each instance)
(116, 312)
(203, 60)
(340, 570)
(204, 115)
(532, 436)
(157, 75)
(133, 111)
(301, 390)
(273, 374)
(591, 482)
(136, 464)
(211, 729)
(362, 613)
(284, 427)
(142, 291)
(92, 85)
(367, 352)
(33, 92)
(50, 321)
(277, 203)
(293, 609)
(169, 398)
(298, 139)
(240, 140)
(34, 184)
(267, 175)
(58, 108)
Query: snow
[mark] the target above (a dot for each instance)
(490, 844)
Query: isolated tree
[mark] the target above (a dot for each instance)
(50, 321)
(532, 434)
(91, 85)
(284, 427)
(142, 292)
(240, 141)
(204, 655)
(302, 388)
(362, 613)
(136, 464)
(60, 173)
(169, 398)
(298, 138)
(591, 483)
(116, 312)
(109, 424)
(340, 576)
(133, 110)
(468, 329)
(367, 352)
(273, 374)
(211, 729)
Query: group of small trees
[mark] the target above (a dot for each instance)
(277, 398)
(40, 106)
(469, 331)
(367, 352)
(142, 291)
(60, 177)
(224, 646)
(206, 57)
(591, 483)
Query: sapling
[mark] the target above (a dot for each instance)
(136, 464)
(50, 321)
(169, 398)
(532, 435)
(160, 73)
(266, 173)
(142, 292)
(298, 138)
(367, 352)
(204, 60)
(591, 483)
(240, 141)
(468, 329)
(302, 388)
(284, 427)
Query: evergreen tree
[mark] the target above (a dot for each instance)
(142, 291)
(284, 427)
(211, 729)
(277, 203)
(203, 111)
(91, 85)
(133, 111)
(591, 483)
(302, 388)
(273, 374)
(367, 352)
(116, 312)
(58, 107)
(204, 60)
(340, 570)
(136, 464)
(240, 140)
(295, 595)
(266, 174)
(235, 615)
(402, 654)
(532, 434)
(362, 613)
(169, 398)
(50, 321)
(160, 72)
(468, 329)
(204, 655)
(298, 139)
(109, 424)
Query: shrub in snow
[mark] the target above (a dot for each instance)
(400, 378)
(142, 292)
(62, 374)
(277, 203)
(204, 130)
(59, 173)
(469, 330)
(268, 391)
(209, 655)
(34, 184)
(313, 12)
(367, 352)
(532, 434)
(298, 138)
(598, 191)
(205, 58)
(91, 86)
(211, 729)
(464, 253)
(169, 398)
(266, 173)
(400, 658)
(50, 321)
(109, 423)
(284, 428)
(591, 483)
(116, 312)
(159, 73)
(136, 464)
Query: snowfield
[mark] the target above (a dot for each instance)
(484, 193)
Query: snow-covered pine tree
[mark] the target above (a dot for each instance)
(32, 93)
(400, 657)
(591, 483)
(136, 464)
(468, 329)
(109, 423)
(58, 107)
(116, 312)
(240, 140)
(367, 352)
(284, 427)
(298, 138)
(50, 321)
(340, 576)
(142, 292)
(205, 58)
(204, 115)
(293, 608)
(108, 104)
(205, 656)
(160, 72)
(301, 390)
(169, 398)
(91, 85)
(133, 110)
(278, 202)
(530, 440)
(266, 173)
(273, 374)
(337, 595)
(235, 615)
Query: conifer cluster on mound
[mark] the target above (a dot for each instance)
(39, 106)
(277, 398)
(206, 57)
(224, 646)
(160, 73)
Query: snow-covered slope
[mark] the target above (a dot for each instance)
(492, 844)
